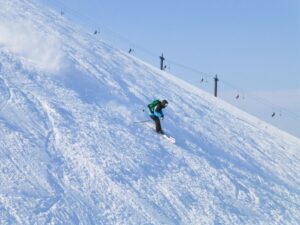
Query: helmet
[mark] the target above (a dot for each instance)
(164, 102)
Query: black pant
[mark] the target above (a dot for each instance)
(157, 124)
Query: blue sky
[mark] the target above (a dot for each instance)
(251, 45)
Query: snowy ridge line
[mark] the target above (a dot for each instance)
(271, 106)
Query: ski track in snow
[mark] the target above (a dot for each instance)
(71, 153)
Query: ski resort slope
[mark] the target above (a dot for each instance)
(73, 150)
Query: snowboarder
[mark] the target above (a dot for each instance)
(155, 108)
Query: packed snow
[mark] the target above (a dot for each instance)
(74, 149)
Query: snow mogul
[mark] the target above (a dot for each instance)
(155, 108)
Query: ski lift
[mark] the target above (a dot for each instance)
(273, 114)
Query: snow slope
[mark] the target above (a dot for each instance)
(71, 152)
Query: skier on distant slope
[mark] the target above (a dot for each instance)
(155, 108)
